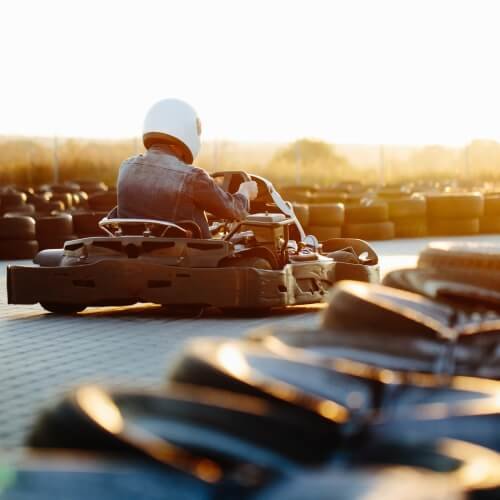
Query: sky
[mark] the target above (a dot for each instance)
(352, 71)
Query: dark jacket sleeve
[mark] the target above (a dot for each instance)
(209, 196)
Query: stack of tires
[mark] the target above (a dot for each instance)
(409, 216)
(12, 200)
(92, 187)
(86, 224)
(17, 238)
(325, 220)
(489, 223)
(53, 230)
(454, 214)
(44, 204)
(302, 212)
(297, 194)
(368, 221)
(103, 201)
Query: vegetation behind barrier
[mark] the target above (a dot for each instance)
(30, 161)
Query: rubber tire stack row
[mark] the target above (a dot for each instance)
(86, 224)
(368, 221)
(325, 220)
(54, 230)
(489, 223)
(15, 201)
(454, 214)
(103, 202)
(43, 203)
(17, 238)
(409, 216)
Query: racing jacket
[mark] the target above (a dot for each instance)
(157, 185)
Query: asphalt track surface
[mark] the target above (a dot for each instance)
(43, 355)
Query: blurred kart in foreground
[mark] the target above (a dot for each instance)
(274, 415)
(397, 402)
(264, 261)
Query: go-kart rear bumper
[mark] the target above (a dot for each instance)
(127, 281)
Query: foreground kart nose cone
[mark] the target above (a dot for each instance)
(397, 330)
(359, 307)
(466, 275)
(347, 396)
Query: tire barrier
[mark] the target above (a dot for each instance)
(405, 393)
(369, 231)
(103, 202)
(17, 238)
(52, 231)
(327, 215)
(302, 212)
(86, 224)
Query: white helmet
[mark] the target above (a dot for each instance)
(175, 122)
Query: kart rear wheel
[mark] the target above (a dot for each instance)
(58, 308)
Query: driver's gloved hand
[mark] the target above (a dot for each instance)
(249, 189)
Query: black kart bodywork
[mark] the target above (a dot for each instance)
(262, 262)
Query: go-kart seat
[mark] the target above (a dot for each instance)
(192, 229)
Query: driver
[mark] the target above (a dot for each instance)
(163, 184)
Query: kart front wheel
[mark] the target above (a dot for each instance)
(58, 308)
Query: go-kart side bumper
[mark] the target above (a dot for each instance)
(127, 281)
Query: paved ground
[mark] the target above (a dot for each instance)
(42, 355)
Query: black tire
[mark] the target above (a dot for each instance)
(369, 231)
(55, 242)
(455, 205)
(492, 204)
(326, 214)
(17, 228)
(391, 193)
(329, 198)
(302, 213)
(54, 226)
(54, 206)
(10, 215)
(367, 213)
(18, 249)
(65, 198)
(25, 208)
(297, 195)
(65, 188)
(324, 233)
(452, 227)
(410, 227)
(58, 308)
(489, 224)
(407, 207)
(103, 201)
(91, 187)
(87, 223)
(12, 198)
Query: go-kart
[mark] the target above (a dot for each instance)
(264, 261)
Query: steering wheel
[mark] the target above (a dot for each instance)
(230, 181)
(268, 199)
